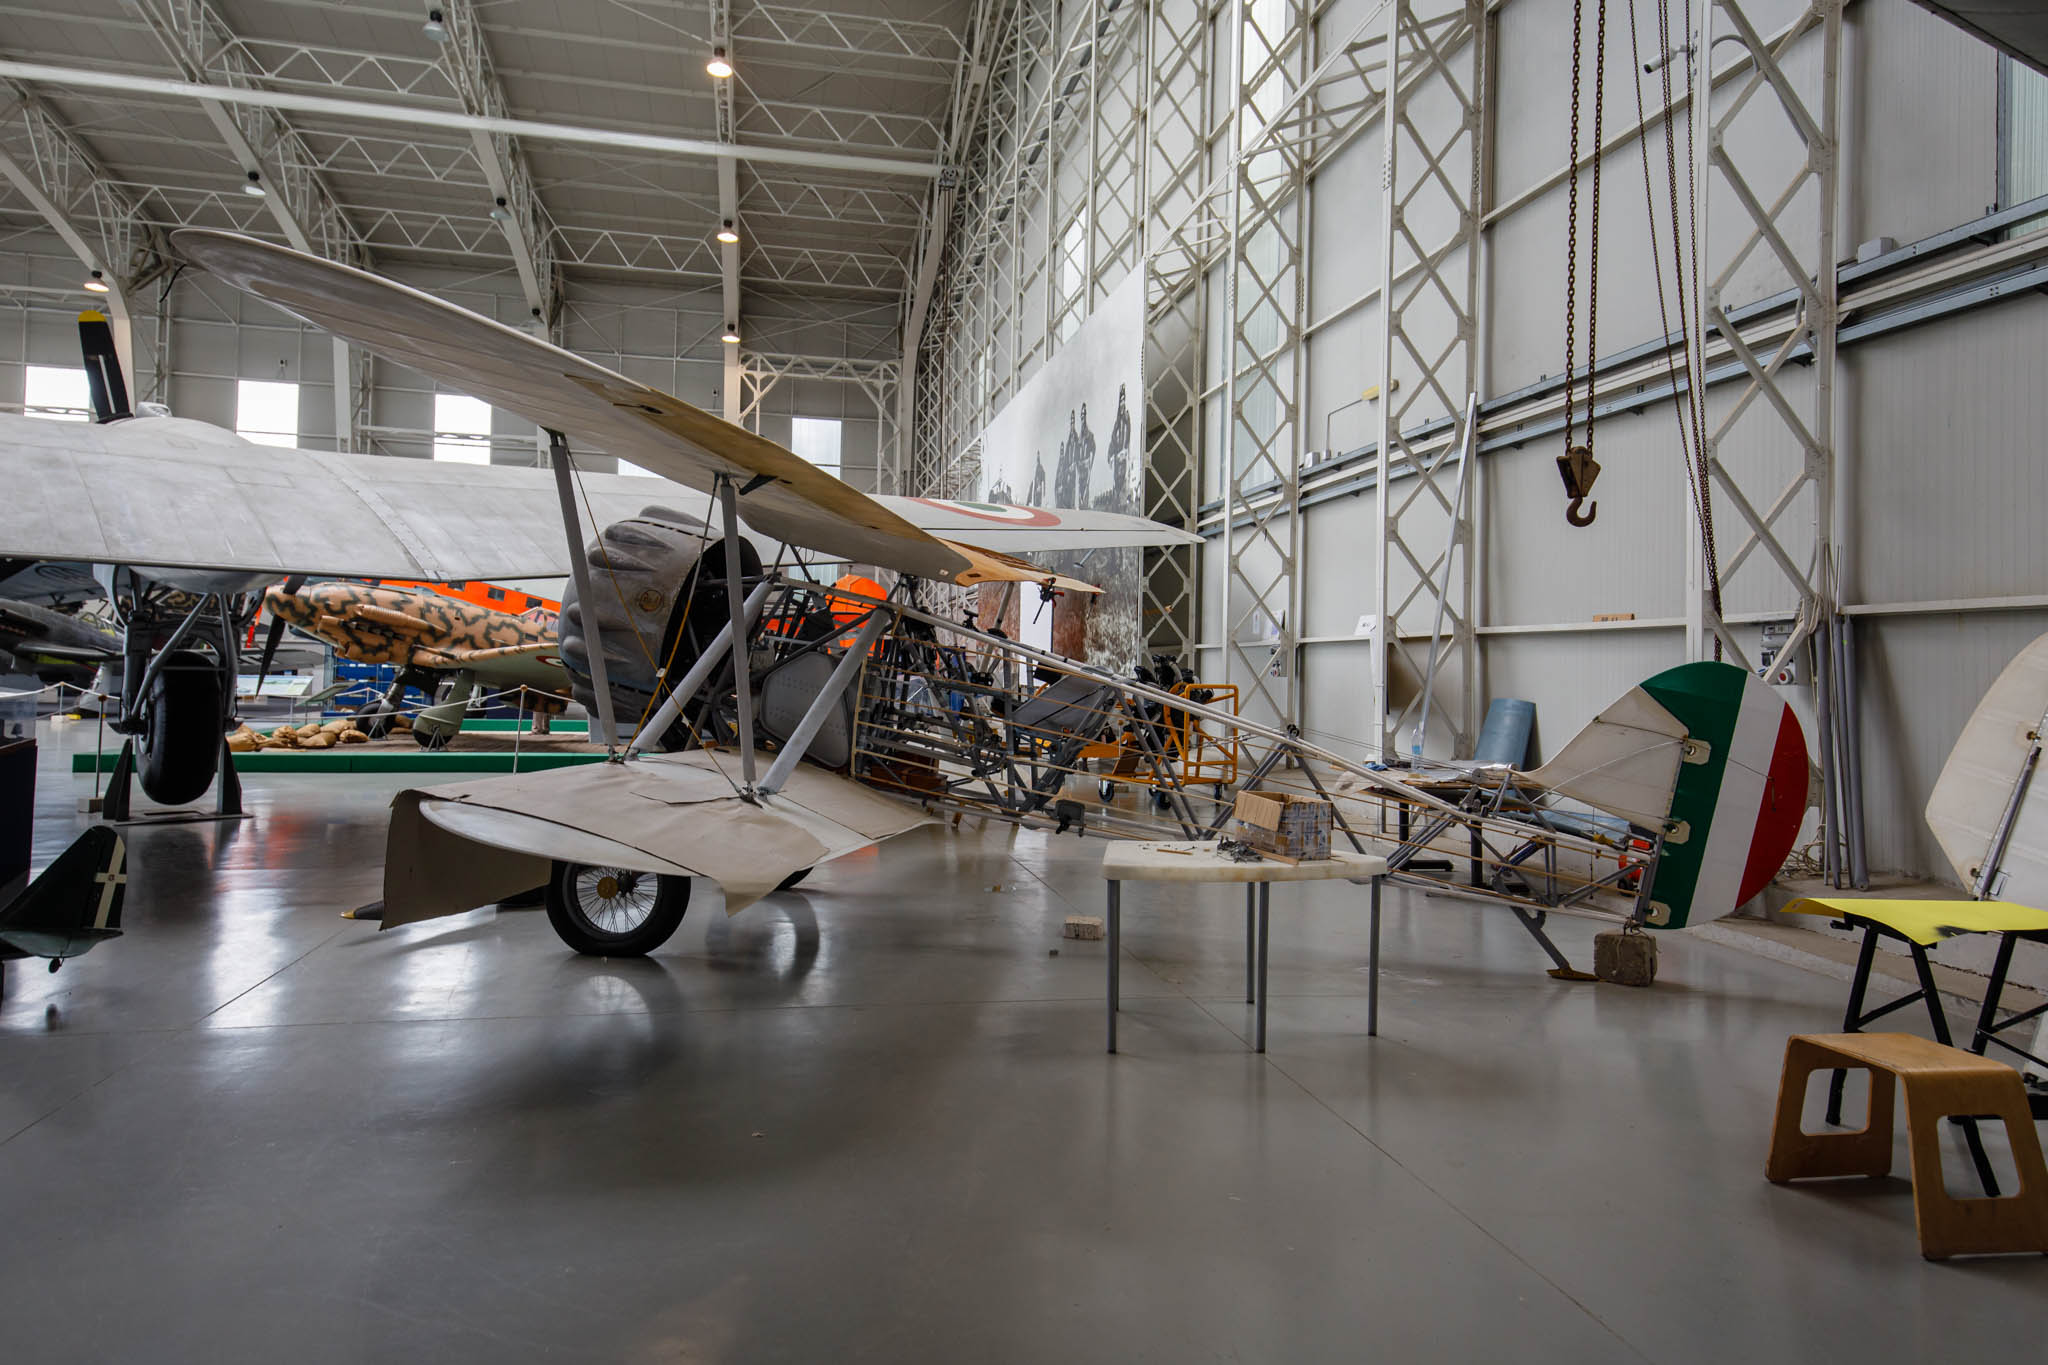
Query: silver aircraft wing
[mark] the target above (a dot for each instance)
(173, 493)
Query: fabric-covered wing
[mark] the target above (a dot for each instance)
(989, 566)
(1016, 530)
(1986, 770)
(1624, 762)
(452, 848)
(168, 492)
(796, 502)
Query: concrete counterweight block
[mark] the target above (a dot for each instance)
(1625, 957)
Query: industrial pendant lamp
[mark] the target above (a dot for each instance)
(97, 284)
(728, 234)
(731, 335)
(718, 66)
(254, 187)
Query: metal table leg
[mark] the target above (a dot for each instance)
(1116, 918)
(1852, 1015)
(1372, 981)
(1265, 919)
(1251, 947)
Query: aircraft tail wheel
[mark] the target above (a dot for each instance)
(430, 738)
(1107, 791)
(615, 911)
(180, 748)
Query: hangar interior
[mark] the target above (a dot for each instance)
(1380, 267)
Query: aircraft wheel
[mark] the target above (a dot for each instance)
(432, 740)
(180, 748)
(1107, 791)
(613, 911)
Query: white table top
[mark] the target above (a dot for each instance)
(1198, 861)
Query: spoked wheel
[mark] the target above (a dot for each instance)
(615, 911)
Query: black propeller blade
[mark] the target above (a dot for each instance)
(102, 368)
(277, 624)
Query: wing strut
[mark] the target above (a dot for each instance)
(729, 504)
(579, 569)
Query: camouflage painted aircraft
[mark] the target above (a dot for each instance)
(446, 646)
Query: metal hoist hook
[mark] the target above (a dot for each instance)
(1578, 469)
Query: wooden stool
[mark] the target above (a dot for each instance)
(1940, 1082)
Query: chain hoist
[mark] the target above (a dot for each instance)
(1576, 466)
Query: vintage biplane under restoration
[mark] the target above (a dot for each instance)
(770, 728)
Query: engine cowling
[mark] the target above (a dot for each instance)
(659, 582)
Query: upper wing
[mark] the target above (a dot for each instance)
(1022, 530)
(168, 492)
(991, 566)
(795, 501)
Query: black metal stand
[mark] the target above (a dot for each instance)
(1855, 1018)
(116, 806)
(1989, 1025)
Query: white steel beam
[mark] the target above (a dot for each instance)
(727, 123)
(293, 101)
(265, 145)
(1430, 211)
(516, 205)
(66, 184)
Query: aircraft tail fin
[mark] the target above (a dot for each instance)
(1740, 796)
(75, 904)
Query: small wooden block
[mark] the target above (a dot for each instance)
(1082, 926)
(1625, 959)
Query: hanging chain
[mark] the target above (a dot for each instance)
(1571, 228)
(1577, 466)
(1593, 233)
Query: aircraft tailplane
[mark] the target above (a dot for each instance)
(74, 905)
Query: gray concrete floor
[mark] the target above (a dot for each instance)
(874, 1120)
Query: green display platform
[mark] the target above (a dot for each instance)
(354, 759)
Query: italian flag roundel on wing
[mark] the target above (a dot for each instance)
(1741, 792)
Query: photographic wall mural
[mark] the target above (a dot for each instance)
(1074, 437)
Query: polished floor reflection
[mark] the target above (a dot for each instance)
(874, 1120)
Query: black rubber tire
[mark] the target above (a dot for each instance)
(791, 882)
(1106, 790)
(180, 748)
(647, 931)
(433, 743)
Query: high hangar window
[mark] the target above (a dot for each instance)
(267, 412)
(817, 440)
(462, 429)
(56, 392)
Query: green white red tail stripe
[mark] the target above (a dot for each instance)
(1741, 792)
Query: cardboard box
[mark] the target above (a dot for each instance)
(1292, 828)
